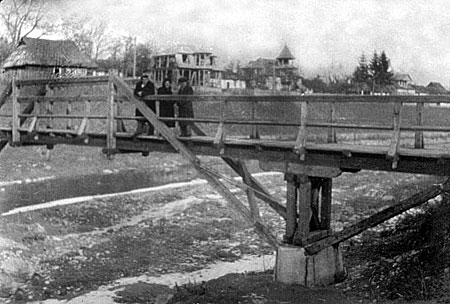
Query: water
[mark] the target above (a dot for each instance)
(17, 195)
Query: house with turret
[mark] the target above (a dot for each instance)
(280, 74)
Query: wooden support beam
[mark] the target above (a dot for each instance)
(291, 207)
(331, 118)
(111, 138)
(15, 112)
(325, 204)
(304, 209)
(262, 193)
(395, 141)
(378, 218)
(299, 169)
(418, 136)
(254, 133)
(206, 172)
(35, 117)
(254, 209)
(300, 142)
(220, 135)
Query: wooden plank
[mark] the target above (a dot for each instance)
(68, 112)
(378, 218)
(254, 209)
(395, 141)
(111, 139)
(325, 203)
(35, 116)
(254, 133)
(418, 135)
(206, 172)
(331, 130)
(15, 112)
(300, 169)
(304, 209)
(316, 98)
(218, 139)
(300, 142)
(291, 207)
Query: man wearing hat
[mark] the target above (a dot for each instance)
(145, 88)
(185, 108)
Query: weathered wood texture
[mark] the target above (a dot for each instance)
(206, 172)
(378, 218)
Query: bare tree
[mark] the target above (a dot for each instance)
(91, 35)
(21, 18)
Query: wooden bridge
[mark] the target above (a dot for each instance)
(311, 139)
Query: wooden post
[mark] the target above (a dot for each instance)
(255, 133)
(378, 218)
(304, 209)
(111, 121)
(325, 204)
(291, 207)
(33, 123)
(49, 106)
(418, 136)
(68, 112)
(331, 119)
(220, 134)
(15, 112)
(395, 141)
(300, 143)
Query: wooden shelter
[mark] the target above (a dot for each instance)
(41, 58)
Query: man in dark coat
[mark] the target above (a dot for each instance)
(145, 88)
(185, 108)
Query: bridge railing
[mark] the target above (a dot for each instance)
(84, 106)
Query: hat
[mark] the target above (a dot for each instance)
(144, 76)
(182, 79)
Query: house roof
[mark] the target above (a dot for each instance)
(260, 63)
(402, 77)
(285, 53)
(184, 49)
(436, 88)
(43, 52)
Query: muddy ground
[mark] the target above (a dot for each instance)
(65, 252)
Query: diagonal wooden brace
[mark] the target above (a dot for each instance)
(168, 135)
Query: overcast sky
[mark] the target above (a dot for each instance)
(415, 34)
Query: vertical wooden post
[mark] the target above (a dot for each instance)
(300, 142)
(325, 204)
(15, 112)
(33, 123)
(49, 106)
(158, 114)
(111, 121)
(291, 207)
(87, 111)
(254, 134)
(304, 209)
(331, 119)
(68, 112)
(395, 141)
(418, 136)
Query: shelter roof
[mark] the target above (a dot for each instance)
(43, 52)
(285, 53)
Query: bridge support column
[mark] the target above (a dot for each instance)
(308, 219)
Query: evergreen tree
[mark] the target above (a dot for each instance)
(385, 75)
(361, 73)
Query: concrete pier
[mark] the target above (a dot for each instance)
(294, 266)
